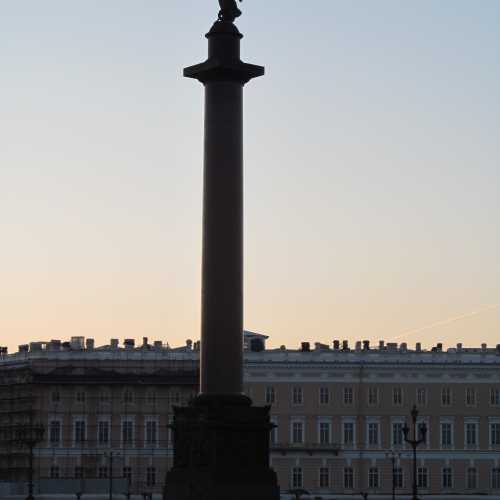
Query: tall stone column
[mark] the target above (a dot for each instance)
(223, 76)
(221, 441)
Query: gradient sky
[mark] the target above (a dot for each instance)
(372, 170)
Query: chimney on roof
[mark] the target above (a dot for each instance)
(24, 348)
(157, 344)
(366, 345)
(318, 346)
(404, 347)
(89, 344)
(439, 347)
(77, 343)
(498, 349)
(418, 347)
(189, 344)
(381, 345)
(196, 345)
(459, 347)
(55, 345)
(145, 344)
(4, 350)
(357, 346)
(113, 343)
(484, 347)
(35, 346)
(336, 344)
(66, 346)
(345, 345)
(257, 345)
(305, 347)
(129, 343)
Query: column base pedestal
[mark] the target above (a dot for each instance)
(221, 451)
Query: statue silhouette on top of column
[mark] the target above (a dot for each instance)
(229, 10)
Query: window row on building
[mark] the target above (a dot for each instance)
(373, 434)
(126, 396)
(103, 433)
(374, 478)
(149, 474)
(448, 395)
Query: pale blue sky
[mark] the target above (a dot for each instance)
(372, 169)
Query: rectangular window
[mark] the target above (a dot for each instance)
(297, 432)
(127, 432)
(373, 396)
(80, 396)
(495, 396)
(495, 478)
(127, 474)
(447, 478)
(397, 396)
(471, 478)
(324, 395)
(470, 435)
(151, 432)
(470, 396)
(349, 478)
(398, 478)
(103, 432)
(446, 435)
(397, 434)
(348, 396)
(421, 396)
(170, 432)
(274, 430)
(297, 396)
(79, 430)
(348, 433)
(446, 396)
(373, 439)
(128, 396)
(373, 478)
(55, 433)
(324, 432)
(102, 472)
(54, 472)
(150, 476)
(151, 398)
(421, 421)
(297, 477)
(324, 477)
(495, 434)
(104, 397)
(270, 396)
(422, 477)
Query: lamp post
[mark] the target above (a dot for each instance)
(110, 456)
(393, 456)
(30, 435)
(414, 442)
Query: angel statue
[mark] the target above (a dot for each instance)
(229, 10)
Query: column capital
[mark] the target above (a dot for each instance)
(224, 63)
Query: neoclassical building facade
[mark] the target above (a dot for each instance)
(339, 413)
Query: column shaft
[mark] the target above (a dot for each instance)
(222, 272)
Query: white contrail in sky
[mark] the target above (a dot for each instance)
(447, 321)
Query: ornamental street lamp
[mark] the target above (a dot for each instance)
(29, 435)
(414, 442)
(393, 456)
